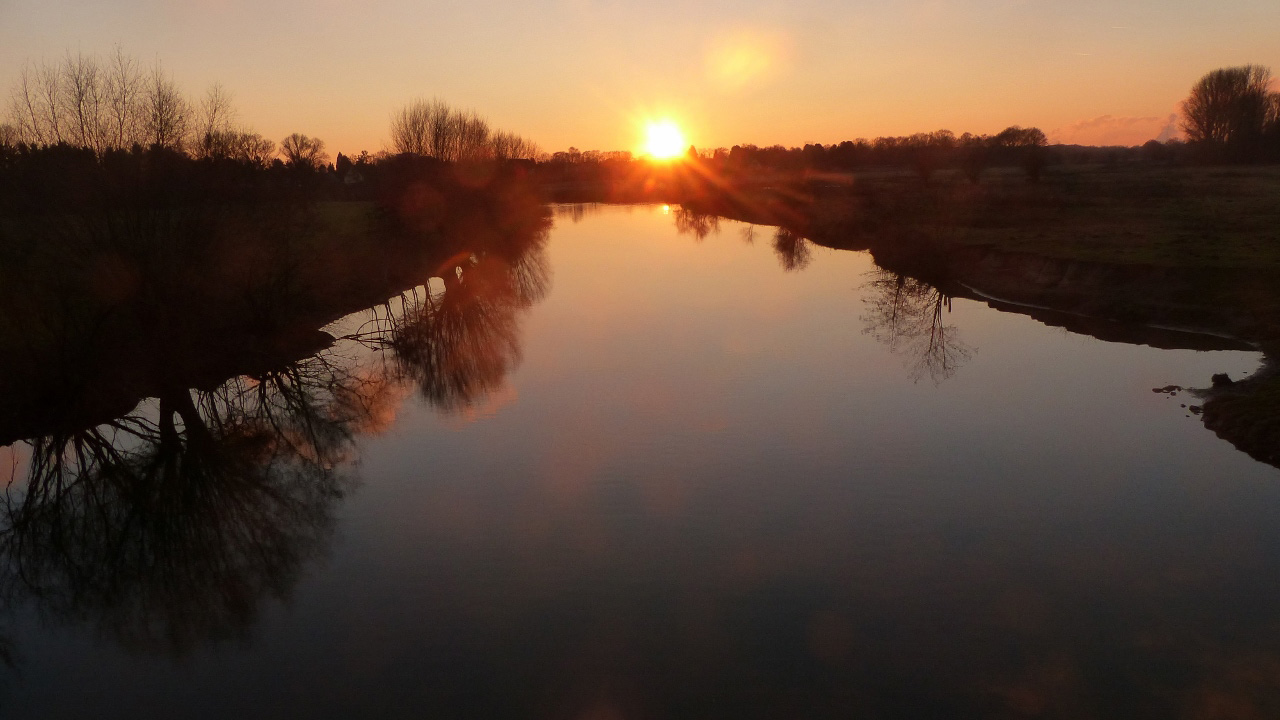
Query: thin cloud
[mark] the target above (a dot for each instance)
(1113, 130)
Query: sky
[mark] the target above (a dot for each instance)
(592, 73)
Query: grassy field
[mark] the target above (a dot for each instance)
(1169, 217)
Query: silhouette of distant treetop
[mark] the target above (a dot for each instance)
(303, 152)
(1234, 110)
(433, 129)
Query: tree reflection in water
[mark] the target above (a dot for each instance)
(458, 344)
(793, 251)
(166, 528)
(576, 212)
(697, 224)
(903, 312)
(909, 316)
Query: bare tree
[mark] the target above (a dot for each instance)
(472, 137)
(37, 105)
(302, 151)
(440, 129)
(50, 96)
(109, 104)
(424, 127)
(504, 145)
(83, 88)
(87, 103)
(213, 124)
(63, 102)
(22, 107)
(1229, 106)
(410, 128)
(252, 148)
(432, 128)
(168, 114)
(125, 83)
(510, 146)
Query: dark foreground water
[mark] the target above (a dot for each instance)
(699, 478)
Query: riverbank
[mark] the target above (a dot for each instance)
(91, 325)
(1191, 217)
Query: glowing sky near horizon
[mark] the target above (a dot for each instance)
(591, 74)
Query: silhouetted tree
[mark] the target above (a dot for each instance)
(83, 102)
(1230, 108)
(113, 105)
(301, 151)
(126, 93)
(510, 146)
(213, 124)
(250, 147)
(1026, 147)
(975, 155)
(433, 129)
(419, 127)
(167, 114)
(930, 152)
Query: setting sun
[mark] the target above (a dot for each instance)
(663, 140)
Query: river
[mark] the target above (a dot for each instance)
(676, 467)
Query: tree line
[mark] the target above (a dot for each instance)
(924, 153)
(117, 104)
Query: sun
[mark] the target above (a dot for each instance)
(663, 140)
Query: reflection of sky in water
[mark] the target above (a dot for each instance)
(707, 491)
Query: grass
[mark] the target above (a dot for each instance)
(344, 220)
(1166, 217)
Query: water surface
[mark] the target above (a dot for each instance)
(722, 473)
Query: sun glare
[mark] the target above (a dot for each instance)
(664, 140)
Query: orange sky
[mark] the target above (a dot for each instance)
(588, 73)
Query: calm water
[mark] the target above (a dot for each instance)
(690, 481)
